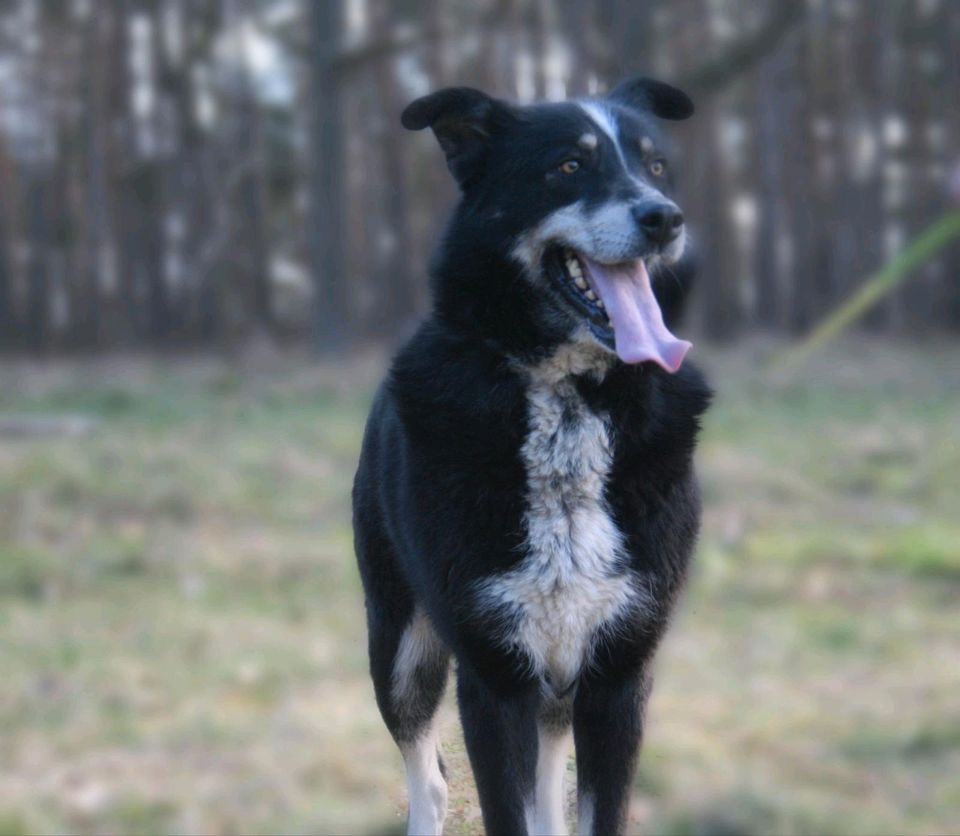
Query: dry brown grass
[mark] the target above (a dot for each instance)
(182, 635)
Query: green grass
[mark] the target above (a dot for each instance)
(181, 625)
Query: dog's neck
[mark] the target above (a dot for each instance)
(577, 358)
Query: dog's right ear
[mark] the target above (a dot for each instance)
(649, 94)
(463, 120)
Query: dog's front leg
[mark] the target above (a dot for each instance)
(607, 728)
(500, 730)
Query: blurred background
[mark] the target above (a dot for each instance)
(213, 232)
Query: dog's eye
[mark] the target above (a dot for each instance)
(569, 166)
(657, 168)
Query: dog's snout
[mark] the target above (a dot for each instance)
(660, 222)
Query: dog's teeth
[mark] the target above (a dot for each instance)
(600, 303)
(574, 267)
(591, 296)
(581, 283)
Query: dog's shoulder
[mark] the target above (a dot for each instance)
(445, 383)
(684, 398)
(649, 409)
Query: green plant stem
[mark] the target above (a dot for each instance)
(896, 271)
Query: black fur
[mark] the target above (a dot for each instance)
(441, 488)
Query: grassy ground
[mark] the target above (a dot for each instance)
(181, 626)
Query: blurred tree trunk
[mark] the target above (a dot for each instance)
(327, 194)
(805, 281)
(38, 271)
(65, 289)
(846, 199)
(181, 182)
(397, 288)
(434, 188)
(824, 136)
(579, 30)
(949, 120)
(250, 298)
(877, 56)
(769, 193)
(540, 46)
(513, 48)
(720, 284)
(124, 317)
(435, 29)
(96, 232)
(199, 182)
(8, 318)
(151, 189)
(626, 26)
(9, 321)
(252, 201)
(147, 187)
(918, 159)
(208, 269)
(71, 293)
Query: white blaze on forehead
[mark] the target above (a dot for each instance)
(646, 144)
(588, 141)
(607, 122)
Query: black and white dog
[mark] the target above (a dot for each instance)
(525, 498)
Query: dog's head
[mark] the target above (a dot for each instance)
(577, 194)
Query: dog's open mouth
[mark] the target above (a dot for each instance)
(619, 306)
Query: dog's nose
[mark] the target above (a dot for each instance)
(660, 222)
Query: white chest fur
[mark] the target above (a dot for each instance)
(569, 585)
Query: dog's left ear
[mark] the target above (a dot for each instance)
(649, 94)
(463, 120)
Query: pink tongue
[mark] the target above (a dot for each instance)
(637, 321)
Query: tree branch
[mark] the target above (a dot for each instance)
(723, 69)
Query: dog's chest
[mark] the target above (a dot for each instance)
(571, 582)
